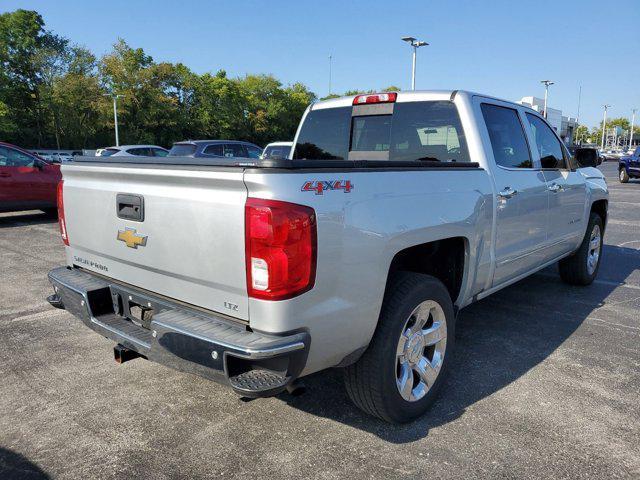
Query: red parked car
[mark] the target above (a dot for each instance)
(27, 182)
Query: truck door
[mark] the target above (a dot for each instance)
(634, 162)
(21, 181)
(521, 193)
(567, 190)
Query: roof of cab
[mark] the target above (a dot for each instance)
(407, 96)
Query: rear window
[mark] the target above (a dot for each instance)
(107, 152)
(182, 150)
(429, 131)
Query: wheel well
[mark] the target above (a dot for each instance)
(442, 259)
(600, 207)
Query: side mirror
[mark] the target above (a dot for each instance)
(587, 157)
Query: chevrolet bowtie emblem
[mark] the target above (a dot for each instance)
(131, 238)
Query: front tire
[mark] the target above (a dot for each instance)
(582, 267)
(400, 373)
(623, 176)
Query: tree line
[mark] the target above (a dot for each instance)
(56, 94)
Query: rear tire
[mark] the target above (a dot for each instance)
(623, 176)
(582, 267)
(410, 350)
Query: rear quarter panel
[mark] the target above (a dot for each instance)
(359, 233)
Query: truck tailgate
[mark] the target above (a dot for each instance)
(188, 246)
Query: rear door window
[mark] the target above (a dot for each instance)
(232, 150)
(215, 149)
(508, 141)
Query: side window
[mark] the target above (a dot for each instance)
(508, 142)
(215, 149)
(233, 150)
(253, 152)
(13, 158)
(157, 152)
(549, 147)
(141, 152)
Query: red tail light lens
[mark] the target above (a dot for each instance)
(375, 98)
(281, 248)
(61, 222)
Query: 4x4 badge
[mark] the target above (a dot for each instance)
(131, 238)
(320, 186)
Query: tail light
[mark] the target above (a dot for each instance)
(281, 244)
(61, 221)
(375, 98)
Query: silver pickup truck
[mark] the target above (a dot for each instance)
(392, 212)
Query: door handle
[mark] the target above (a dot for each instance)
(555, 188)
(507, 192)
(5, 174)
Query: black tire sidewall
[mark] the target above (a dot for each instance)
(584, 249)
(429, 288)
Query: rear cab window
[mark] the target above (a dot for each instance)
(506, 133)
(403, 131)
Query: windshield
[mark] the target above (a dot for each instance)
(107, 152)
(276, 151)
(414, 131)
(182, 150)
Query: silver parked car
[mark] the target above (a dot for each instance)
(133, 151)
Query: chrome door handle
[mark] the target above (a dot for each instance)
(507, 192)
(555, 188)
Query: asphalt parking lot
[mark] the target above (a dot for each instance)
(545, 383)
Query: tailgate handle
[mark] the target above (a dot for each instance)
(130, 207)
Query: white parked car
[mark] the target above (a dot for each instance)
(132, 151)
(277, 150)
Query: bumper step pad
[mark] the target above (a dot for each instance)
(259, 383)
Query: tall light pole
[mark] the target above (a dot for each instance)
(546, 84)
(633, 120)
(604, 124)
(115, 113)
(414, 44)
(330, 58)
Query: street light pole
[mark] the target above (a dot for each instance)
(633, 120)
(604, 124)
(546, 84)
(414, 44)
(115, 114)
(330, 58)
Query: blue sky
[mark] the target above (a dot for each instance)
(503, 48)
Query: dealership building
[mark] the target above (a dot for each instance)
(563, 125)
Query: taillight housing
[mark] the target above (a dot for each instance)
(61, 221)
(389, 97)
(281, 248)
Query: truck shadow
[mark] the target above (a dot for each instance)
(14, 465)
(498, 340)
(10, 220)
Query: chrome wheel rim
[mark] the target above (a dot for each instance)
(621, 174)
(420, 350)
(593, 254)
